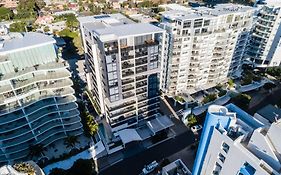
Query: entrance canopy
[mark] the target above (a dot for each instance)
(129, 135)
(159, 124)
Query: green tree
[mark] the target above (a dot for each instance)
(26, 9)
(46, 29)
(71, 141)
(209, 98)
(82, 166)
(5, 14)
(191, 119)
(58, 171)
(18, 27)
(36, 150)
(242, 100)
(92, 126)
(72, 22)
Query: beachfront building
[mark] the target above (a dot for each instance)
(234, 142)
(37, 105)
(206, 45)
(124, 63)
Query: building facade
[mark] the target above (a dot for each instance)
(123, 61)
(37, 102)
(206, 45)
(234, 142)
(264, 46)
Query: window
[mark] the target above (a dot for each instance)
(113, 90)
(206, 22)
(221, 157)
(153, 65)
(186, 24)
(225, 147)
(112, 75)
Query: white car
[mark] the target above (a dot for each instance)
(149, 168)
(196, 128)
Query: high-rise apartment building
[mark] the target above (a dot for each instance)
(235, 143)
(206, 45)
(264, 47)
(37, 105)
(123, 61)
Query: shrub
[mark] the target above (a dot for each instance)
(222, 93)
(242, 100)
(209, 98)
(230, 83)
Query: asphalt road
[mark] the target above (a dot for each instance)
(133, 165)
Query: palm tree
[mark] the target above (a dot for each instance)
(37, 150)
(70, 141)
(92, 125)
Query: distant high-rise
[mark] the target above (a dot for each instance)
(124, 63)
(206, 45)
(264, 47)
(235, 143)
(37, 105)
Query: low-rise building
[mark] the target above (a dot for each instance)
(176, 168)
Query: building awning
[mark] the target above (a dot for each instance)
(159, 124)
(129, 135)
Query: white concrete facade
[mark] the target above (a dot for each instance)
(240, 147)
(206, 45)
(264, 47)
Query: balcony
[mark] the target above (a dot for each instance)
(127, 88)
(13, 126)
(141, 61)
(128, 94)
(127, 72)
(141, 84)
(52, 131)
(53, 138)
(42, 113)
(127, 81)
(126, 57)
(39, 105)
(70, 121)
(17, 83)
(44, 120)
(8, 108)
(143, 77)
(141, 91)
(67, 107)
(5, 88)
(141, 69)
(18, 140)
(122, 111)
(127, 64)
(69, 114)
(11, 117)
(55, 84)
(14, 133)
(125, 104)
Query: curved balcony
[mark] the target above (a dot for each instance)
(73, 127)
(69, 114)
(19, 155)
(42, 113)
(18, 140)
(5, 88)
(14, 133)
(7, 118)
(66, 99)
(67, 107)
(18, 83)
(13, 126)
(45, 120)
(53, 138)
(43, 130)
(70, 121)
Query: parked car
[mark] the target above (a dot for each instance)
(150, 167)
(196, 128)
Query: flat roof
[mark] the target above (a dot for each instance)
(201, 12)
(129, 29)
(117, 25)
(13, 41)
(270, 112)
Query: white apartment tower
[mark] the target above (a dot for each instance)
(264, 47)
(206, 45)
(235, 143)
(123, 61)
(37, 105)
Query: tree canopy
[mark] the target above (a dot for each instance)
(5, 14)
